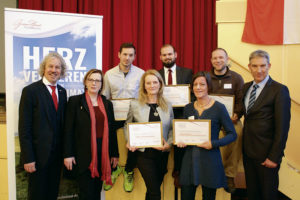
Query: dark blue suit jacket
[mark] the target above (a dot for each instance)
(267, 123)
(40, 125)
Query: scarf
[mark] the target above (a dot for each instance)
(105, 162)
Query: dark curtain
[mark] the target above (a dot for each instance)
(189, 25)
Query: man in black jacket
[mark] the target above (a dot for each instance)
(267, 106)
(41, 115)
(172, 74)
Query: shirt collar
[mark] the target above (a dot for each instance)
(47, 83)
(262, 83)
(122, 71)
(172, 68)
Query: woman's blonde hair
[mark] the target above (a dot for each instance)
(161, 102)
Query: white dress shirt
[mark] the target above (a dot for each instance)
(174, 81)
(47, 83)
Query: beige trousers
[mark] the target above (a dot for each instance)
(232, 153)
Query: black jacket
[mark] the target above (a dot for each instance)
(40, 125)
(77, 138)
(267, 123)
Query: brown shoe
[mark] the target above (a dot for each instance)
(175, 174)
(230, 185)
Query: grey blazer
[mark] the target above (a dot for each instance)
(140, 113)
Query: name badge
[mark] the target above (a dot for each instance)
(227, 86)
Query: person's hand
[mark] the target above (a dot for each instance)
(234, 118)
(269, 164)
(165, 146)
(133, 149)
(30, 167)
(68, 162)
(181, 145)
(206, 145)
(114, 162)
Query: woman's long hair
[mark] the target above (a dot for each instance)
(143, 93)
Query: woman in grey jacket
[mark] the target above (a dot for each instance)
(151, 107)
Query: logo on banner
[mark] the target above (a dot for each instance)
(78, 52)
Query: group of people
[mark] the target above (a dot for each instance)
(82, 133)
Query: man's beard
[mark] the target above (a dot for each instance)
(219, 70)
(169, 64)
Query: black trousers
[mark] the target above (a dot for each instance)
(262, 182)
(44, 182)
(153, 167)
(188, 192)
(131, 161)
(178, 155)
(90, 188)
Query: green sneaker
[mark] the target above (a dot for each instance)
(128, 181)
(114, 176)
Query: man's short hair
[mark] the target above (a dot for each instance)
(127, 46)
(57, 56)
(261, 54)
(221, 50)
(167, 45)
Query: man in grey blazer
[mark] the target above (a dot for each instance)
(267, 115)
(172, 74)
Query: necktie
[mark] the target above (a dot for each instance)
(252, 97)
(54, 97)
(170, 81)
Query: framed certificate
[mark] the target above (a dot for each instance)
(142, 135)
(178, 95)
(227, 100)
(191, 132)
(121, 108)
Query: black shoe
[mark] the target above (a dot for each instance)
(230, 185)
(175, 174)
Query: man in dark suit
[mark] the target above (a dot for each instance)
(173, 75)
(267, 106)
(41, 114)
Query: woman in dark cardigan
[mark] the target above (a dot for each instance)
(202, 164)
(90, 138)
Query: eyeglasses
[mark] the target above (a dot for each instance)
(93, 80)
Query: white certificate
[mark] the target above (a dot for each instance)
(145, 134)
(121, 108)
(191, 132)
(177, 95)
(227, 100)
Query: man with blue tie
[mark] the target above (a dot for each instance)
(267, 115)
(41, 115)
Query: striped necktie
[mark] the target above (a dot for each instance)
(252, 97)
